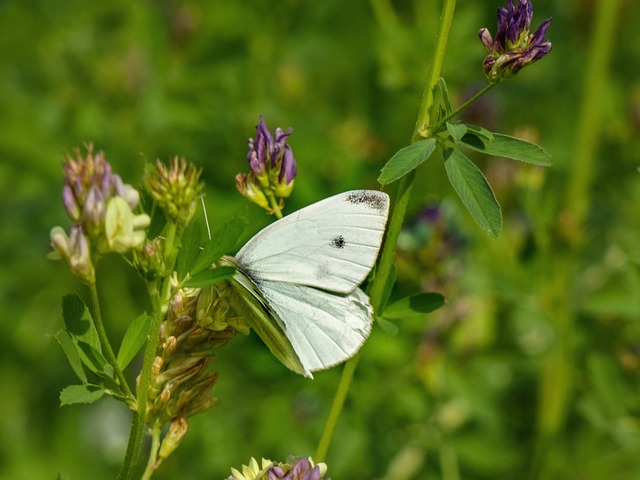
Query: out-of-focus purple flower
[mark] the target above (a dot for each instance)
(273, 167)
(296, 468)
(514, 46)
(302, 469)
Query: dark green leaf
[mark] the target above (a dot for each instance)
(406, 159)
(508, 147)
(416, 304)
(94, 359)
(78, 321)
(210, 277)
(456, 130)
(481, 132)
(71, 351)
(133, 339)
(80, 394)
(224, 238)
(474, 191)
(192, 239)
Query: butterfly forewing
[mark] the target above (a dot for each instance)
(331, 244)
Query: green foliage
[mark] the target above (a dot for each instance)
(462, 385)
(133, 340)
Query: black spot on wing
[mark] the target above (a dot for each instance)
(338, 242)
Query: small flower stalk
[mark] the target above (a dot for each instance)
(273, 169)
(102, 208)
(514, 47)
(296, 468)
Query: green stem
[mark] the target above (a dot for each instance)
(161, 305)
(386, 260)
(106, 346)
(424, 114)
(442, 121)
(277, 211)
(336, 408)
(152, 464)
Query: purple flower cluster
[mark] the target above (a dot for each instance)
(101, 207)
(273, 168)
(514, 46)
(301, 470)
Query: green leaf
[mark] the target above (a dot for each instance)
(481, 132)
(78, 321)
(133, 339)
(71, 351)
(406, 159)
(474, 191)
(80, 394)
(210, 277)
(224, 238)
(441, 101)
(387, 326)
(416, 304)
(94, 359)
(508, 147)
(192, 238)
(456, 130)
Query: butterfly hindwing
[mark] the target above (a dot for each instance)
(324, 328)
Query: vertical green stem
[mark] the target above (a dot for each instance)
(161, 304)
(106, 345)
(403, 194)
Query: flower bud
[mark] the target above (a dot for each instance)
(177, 430)
(272, 166)
(176, 189)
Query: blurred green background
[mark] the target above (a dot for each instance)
(531, 369)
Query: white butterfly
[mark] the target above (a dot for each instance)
(297, 280)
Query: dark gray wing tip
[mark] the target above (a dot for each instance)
(373, 199)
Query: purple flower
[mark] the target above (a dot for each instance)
(514, 46)
(272, 165)
(302, 469)
(270, 157)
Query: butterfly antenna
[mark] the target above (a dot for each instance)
(206, 219)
